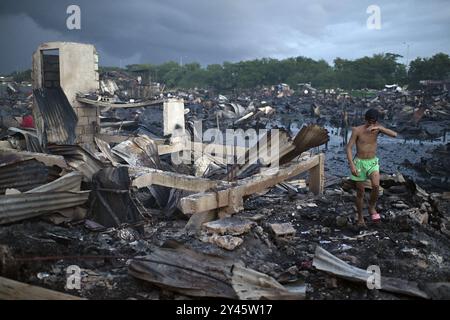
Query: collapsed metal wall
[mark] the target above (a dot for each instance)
(54, 116)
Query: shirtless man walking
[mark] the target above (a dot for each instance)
(365, 165)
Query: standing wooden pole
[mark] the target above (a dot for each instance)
(317, 176)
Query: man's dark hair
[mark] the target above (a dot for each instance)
(372, 114)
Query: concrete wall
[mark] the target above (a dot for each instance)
(78, 74)
(173, 115)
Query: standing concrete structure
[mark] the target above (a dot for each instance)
(74, 68)
(173, 115)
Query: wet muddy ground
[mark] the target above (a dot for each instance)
(395, 155)
(401, 247)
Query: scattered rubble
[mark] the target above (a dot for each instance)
(226, 242)
(91, 179)
(324, 261)
(283, 229)
(232, 226)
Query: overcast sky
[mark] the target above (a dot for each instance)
(214, 31)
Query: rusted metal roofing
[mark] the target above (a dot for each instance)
(8, 156)
(55, 118)
(52, 197)
(29, 205)
(140, 151)
(31, 139)
(78, 158)
(325, 261)
(69, 182)
(23, 175)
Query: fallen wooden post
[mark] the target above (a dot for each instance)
(171, 180)
(231, 198)
(228, 195)
(317, 176)
(14, 290)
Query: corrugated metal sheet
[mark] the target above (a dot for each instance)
(58, 117)
(23, 175)
(8, 156)
(55, 196)
(106, 150)
(78, 158)
(138, 152)
(69, 182)
(18, 207)
(325, 261)
(108, 86)
(31, 139)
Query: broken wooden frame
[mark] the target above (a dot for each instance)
(13, 290)
(226, 198)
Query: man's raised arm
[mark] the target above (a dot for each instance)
(388, 132)
(348, 149)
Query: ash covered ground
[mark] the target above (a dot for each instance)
(411, 243)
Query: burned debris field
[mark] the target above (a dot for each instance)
(237, 181)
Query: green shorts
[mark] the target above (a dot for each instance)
(365, 168)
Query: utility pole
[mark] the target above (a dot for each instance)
(407, 54)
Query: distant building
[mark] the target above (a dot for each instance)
(306, 89)
(443, 85)
(4, 79)
(72, 67)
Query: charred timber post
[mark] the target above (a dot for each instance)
(317, 176)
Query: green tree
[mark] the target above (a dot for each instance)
(20, 76)
(435, 68)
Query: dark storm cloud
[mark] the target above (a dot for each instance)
(213, 31)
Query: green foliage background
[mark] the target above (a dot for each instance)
(367, 72)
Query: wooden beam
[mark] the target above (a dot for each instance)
(14, 290)
(172, 180)
(263, 181)
(232, 196)
(202, 202)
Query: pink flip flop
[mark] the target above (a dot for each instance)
(376, 217)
